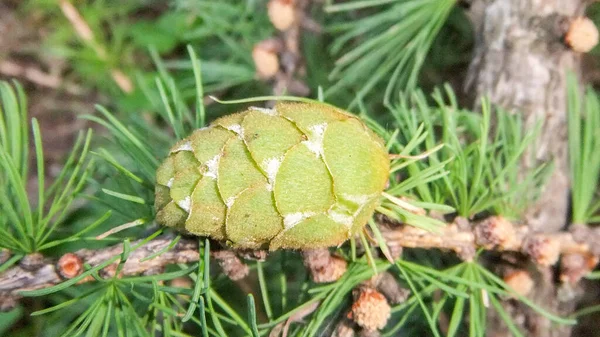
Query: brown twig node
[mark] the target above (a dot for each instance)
(279, 59)
(575, 266)
(32, 261)
(69, 265)
(495, 231)
(544, 250)
(266, 58)
(582, 35)
(520, 281)
(282, 13)
(587, 236)
(323, 266)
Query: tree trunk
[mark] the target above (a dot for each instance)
(521, 64)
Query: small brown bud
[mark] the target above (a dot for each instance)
(323, 266)
(495, 231)
(544, 250)
(282, 13)
(587, 235)
(266, 59)
(69, 265)
(582, 35)
(370, 309)
(575, 266)
(520, 281)
(32, 261)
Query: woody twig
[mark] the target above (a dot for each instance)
(577, 247)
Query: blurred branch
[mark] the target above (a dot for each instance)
(86, 34)
(37, 76)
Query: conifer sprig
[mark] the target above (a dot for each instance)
(389, 45)
(28, 226)
(481, 166)
(584, 146)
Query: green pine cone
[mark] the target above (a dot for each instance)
(298, 176)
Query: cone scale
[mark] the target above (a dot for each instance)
(299, 176)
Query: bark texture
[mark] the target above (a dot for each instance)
(521, 64)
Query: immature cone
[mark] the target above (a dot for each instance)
(582, 35)
(300, 176)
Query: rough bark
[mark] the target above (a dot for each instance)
(521, 64)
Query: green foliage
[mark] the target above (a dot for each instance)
(388, 44)
(466, 292)
(228, 31)
(111, 46)
(584, 146)
(482, 166)
(122, 36)
(27, 227)
(426, 173)
(231, 28)
(112, 301)
(138, 144)
(445, 160)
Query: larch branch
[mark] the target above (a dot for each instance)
(495, 234)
